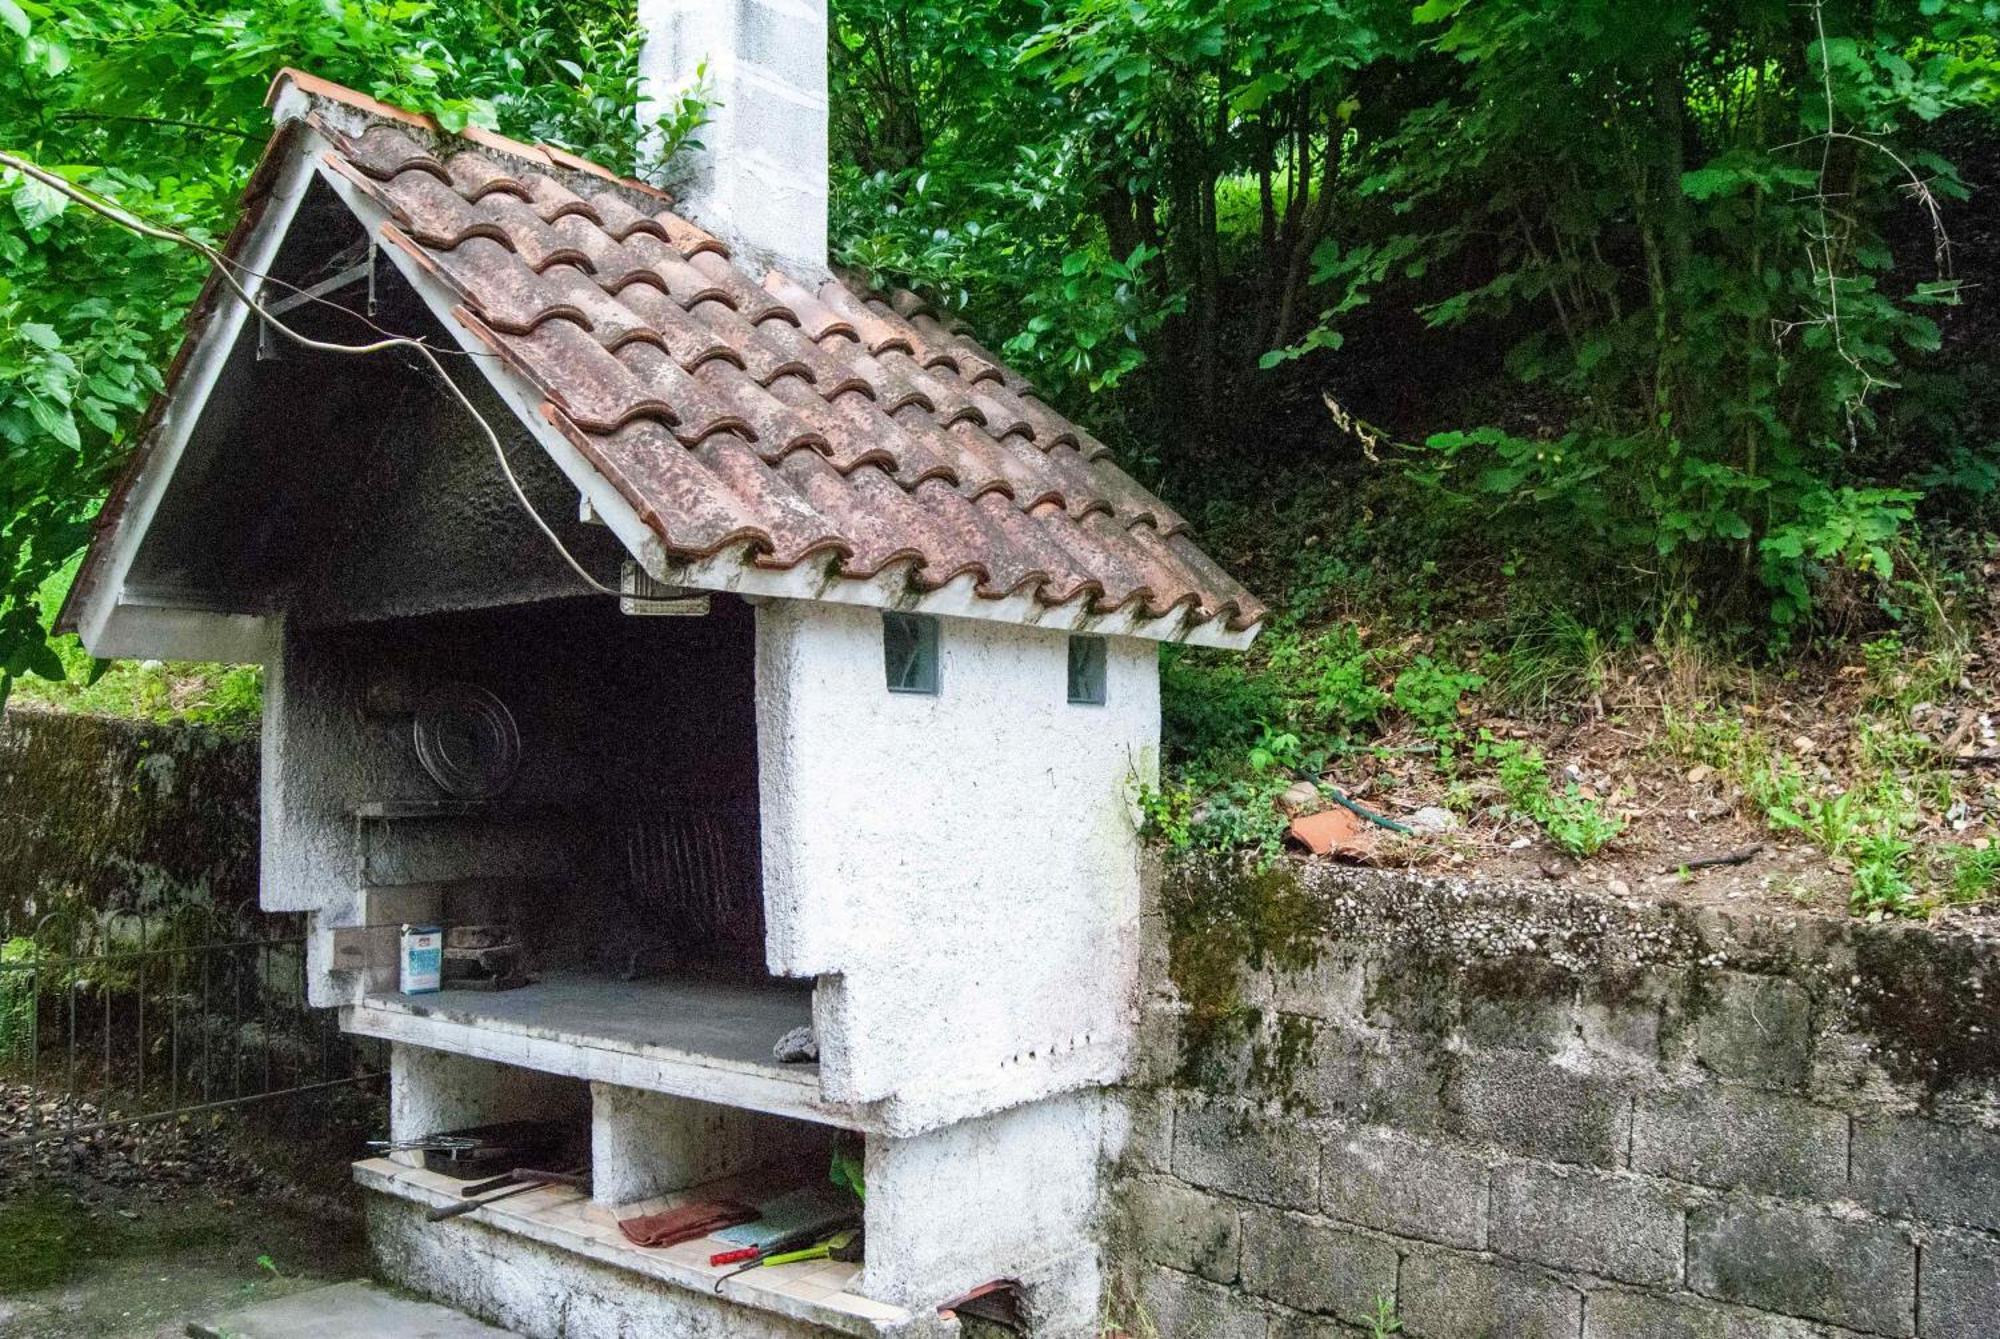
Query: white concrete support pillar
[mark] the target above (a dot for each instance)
(1011, 1195)
(432, 1091)
(644, 1144)
(759, 179)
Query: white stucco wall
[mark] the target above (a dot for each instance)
(960, 870)
(323, 755)
(1010, 1195)
(645, 1144)
(432, 1091)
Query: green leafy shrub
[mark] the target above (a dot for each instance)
(1721, 334)
(1211, 702)
(1339, 674)
(1573, 821)
(1429, 693)
(1975, 872)
(17, 1000)
(1578, 824)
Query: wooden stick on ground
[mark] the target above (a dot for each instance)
(1738, 857)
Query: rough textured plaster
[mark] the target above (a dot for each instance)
(1008, 1195)
(545, 1293)
(645, 1144)
(621, 720)
(427, 524)
(324, 756)
(961, 870)
(431, 1091)
(759, 178)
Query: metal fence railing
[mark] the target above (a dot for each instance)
(118, 1017)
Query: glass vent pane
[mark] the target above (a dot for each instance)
(910, 652)
(1086, 670)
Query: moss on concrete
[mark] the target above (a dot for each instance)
(1228, 919)
(1928, 1003)
(123, 814)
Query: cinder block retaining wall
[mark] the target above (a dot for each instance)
(1536, 1113)
(123, 814)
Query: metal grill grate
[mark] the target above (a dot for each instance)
(693, 876)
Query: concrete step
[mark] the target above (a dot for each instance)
(356, 1310)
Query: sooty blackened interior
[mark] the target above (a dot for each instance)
(626, 842)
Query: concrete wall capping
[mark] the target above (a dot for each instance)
(1672, 1123)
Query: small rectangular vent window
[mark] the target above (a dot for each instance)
(910, 652)
(1086, 671)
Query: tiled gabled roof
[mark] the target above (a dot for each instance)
(736, 413)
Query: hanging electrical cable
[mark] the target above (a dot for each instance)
(225, 269)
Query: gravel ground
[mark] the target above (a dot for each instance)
(132, 1232)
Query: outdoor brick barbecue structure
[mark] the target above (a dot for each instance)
(875, 779)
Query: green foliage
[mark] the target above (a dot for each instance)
(1240, 734)
(1684, 224)
(1871, 825)
(1216, 813)
(1578, 824)
(1557, 661)
(158, 104)
(1211, 703)
(1520, 770)
(1430, 693)
(17, 1000)
(1337, 674)
(1384, 1321)
(1575, 822)
(1975, 872)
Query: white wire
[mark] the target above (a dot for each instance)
(223, 267)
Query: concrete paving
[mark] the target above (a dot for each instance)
(357, 1310)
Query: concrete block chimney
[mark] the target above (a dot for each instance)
(759, 179)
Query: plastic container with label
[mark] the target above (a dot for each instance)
(422, 959)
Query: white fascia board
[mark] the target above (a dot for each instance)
(109, 623)
(733, 570)
(138, 631)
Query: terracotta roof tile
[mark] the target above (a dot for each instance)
(692, 511)
(621, 222)
(791, 530)
(688, 285)
(875, 537)
(691, 342)
(492, 280)
(779, 429)
(851, 441)
(475, 176)
(752, 303)
(700, 412)
(690, 238)
(386, 151)
(556, 200)
(586, 381)
(875, 332)
(737, 411)
(832, 375)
